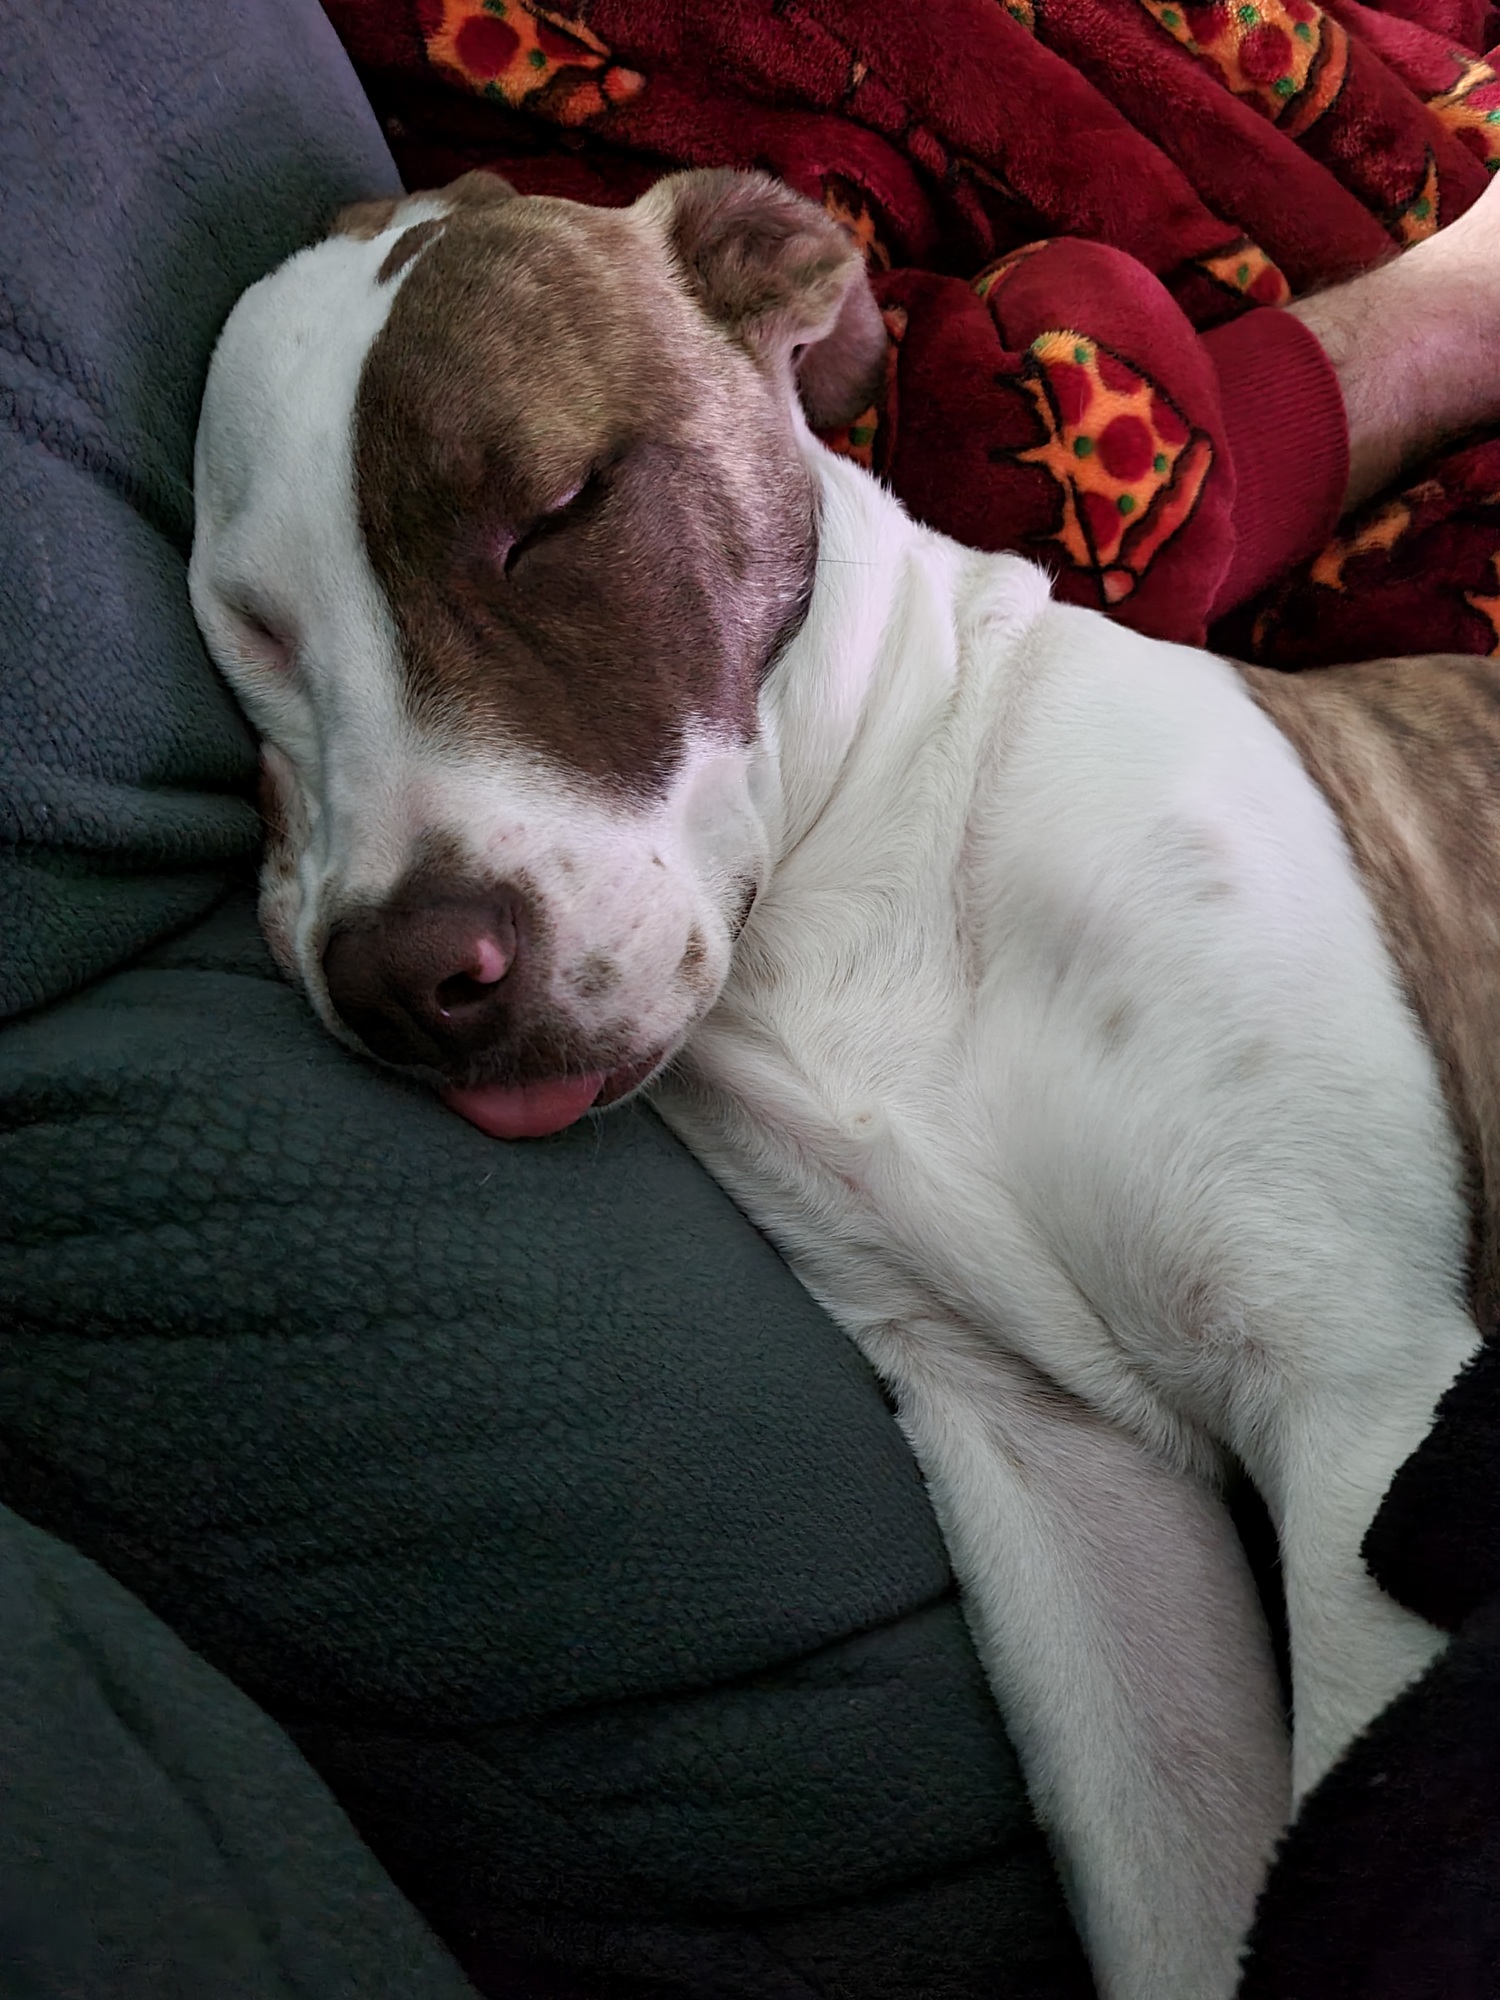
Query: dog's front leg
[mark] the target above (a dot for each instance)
(1120, 1628)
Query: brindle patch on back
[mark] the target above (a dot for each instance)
(537, 351)
(1408, 754)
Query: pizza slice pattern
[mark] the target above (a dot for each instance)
(1128, 465)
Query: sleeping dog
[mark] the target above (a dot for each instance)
(1100, 1029)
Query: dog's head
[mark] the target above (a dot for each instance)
(504, 512)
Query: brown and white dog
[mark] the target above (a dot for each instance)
(1107, 1035)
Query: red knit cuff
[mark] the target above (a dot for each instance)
(1288, 441)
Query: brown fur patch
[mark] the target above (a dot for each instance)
(366, 220)
(479, 188)
(1408, 754)
(597, 975)
(693, 969)
(407, 245)
(533, 350)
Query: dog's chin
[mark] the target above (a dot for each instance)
(537, 1110)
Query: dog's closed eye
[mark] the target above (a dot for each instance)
(511, 551)
(262, 642)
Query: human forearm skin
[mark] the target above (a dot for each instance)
(1415, 344)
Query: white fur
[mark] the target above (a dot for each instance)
(1064, 1060)
(1061, 1055)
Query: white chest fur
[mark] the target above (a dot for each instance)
(1064, 1060)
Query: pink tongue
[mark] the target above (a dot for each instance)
(526, 1110)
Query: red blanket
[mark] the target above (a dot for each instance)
(1080, 216)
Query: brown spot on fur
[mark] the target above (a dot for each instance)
(1250, 1060)
(595, 976)
(585, 504)
(439, 858)
(1117, 1027)
(692, 967)
(1408, 754)
(408, 245)
(741, 916)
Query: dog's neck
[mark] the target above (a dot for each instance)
(881, 659)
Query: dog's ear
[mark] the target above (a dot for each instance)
(479, 188)
(367, 219)
(784, 279)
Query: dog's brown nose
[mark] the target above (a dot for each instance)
(427, 983)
